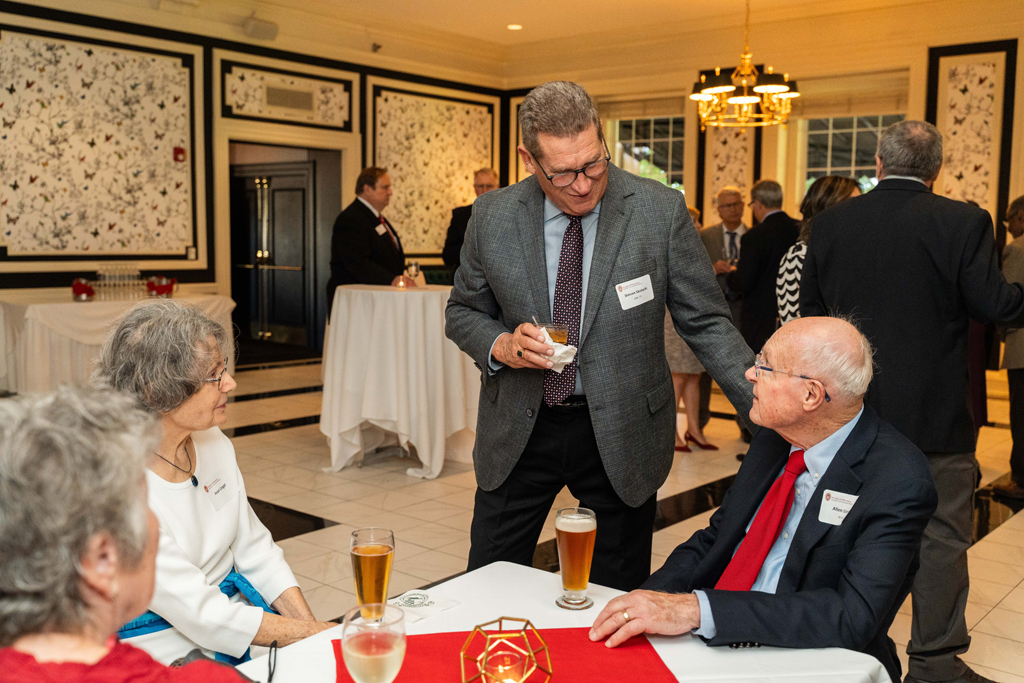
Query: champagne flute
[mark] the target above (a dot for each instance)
(373, 553)
(373, 647)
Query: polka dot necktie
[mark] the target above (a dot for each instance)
(568, 302)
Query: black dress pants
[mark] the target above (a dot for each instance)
(562, 451)
(1015, 376)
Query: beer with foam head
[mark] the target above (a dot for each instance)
(575, 531)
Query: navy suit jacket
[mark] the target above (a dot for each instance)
(361, 255)
(841, 586)
(761, 250)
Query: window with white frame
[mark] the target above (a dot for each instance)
(845, 146)
(652, 148)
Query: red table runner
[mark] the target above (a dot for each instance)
(574, 659)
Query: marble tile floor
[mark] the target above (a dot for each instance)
(431, 519)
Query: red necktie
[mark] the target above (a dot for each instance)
(388, 229)
(745, 565)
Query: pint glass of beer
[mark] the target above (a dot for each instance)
(575, 530)
(373, 552)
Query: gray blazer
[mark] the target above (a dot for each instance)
(644, 228)
(714, 242)
(1013, 270)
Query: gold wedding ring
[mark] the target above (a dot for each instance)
(625, 616)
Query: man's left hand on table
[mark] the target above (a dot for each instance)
(643, 611)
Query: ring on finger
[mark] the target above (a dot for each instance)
(519, 353)
(625, 615)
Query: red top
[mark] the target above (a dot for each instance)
(123, 664)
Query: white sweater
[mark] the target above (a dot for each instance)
(204, 531)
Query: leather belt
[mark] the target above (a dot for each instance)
(571, 403)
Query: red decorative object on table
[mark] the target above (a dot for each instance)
(435, 657)
(82, 290)
(156, 289)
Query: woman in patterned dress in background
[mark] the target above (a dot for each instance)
(824, 193)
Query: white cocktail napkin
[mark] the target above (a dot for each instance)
(417, 604)
(563, 353)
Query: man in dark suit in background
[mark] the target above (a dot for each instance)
(817, 541)
(365, 249)
(762, 250)
(913, 267)
(484, 180)
(601, 251)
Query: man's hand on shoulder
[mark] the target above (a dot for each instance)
(641, 611)
(524, 348)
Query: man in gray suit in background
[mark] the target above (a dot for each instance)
(585, 245)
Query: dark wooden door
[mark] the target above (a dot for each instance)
(272, 250)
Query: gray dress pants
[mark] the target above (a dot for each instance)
(939, 594)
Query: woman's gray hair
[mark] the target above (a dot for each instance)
(72, 465)
(160, 353)
(911, 148)
(559, 108)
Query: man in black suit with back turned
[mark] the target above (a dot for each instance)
(817, 541)
(484, 180)
(761, 250)
(365, 249)
(913, 267)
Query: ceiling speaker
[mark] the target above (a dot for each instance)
(259, 29)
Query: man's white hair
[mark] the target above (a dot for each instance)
(845, 375)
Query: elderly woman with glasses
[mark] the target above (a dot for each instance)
(222, 584)
(78, 544)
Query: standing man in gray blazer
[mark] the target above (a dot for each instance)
(585, 245)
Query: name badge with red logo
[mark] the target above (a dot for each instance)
(835, 505)
(220, 489)
(632, 293)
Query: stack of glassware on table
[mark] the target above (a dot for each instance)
(118, 282)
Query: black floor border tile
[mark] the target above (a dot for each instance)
(277, 364)
(271, 426)
(278, 393)
(283, 522)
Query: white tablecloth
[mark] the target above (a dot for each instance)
(391, 376)
(509, 590)
(44, 345)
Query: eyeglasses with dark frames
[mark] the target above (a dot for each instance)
(593, 170)
(758, 367)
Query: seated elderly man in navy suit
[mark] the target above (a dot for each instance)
(816, 544)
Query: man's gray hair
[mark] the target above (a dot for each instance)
(911, 148)
(1015, 206)
(72, 465)
(768, 192)
(845, 375)
(559, 108)
(729, 189)
(160, 353)
(488, 170)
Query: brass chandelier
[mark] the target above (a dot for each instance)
(747, 98)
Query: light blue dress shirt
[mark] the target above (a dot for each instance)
(817, 458)
(555, 223)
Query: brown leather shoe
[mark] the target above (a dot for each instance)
(1011, 489)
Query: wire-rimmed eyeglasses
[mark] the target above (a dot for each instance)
(758, 367)
(211, 380)
(592, 170)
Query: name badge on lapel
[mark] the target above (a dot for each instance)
(381, 230)
(220, 489)
(835, 505)
(632, 293)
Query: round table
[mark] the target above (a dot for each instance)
(391, 376)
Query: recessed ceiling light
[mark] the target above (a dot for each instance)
(515, 27)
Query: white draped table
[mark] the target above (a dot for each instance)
(509, 590)
(45, 344)
(391, 376)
